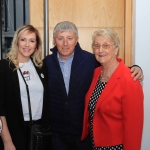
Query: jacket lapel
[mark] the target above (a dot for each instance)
(17, 90)
(39, 72)
(58, 71)
(110, 86)
(76, 62)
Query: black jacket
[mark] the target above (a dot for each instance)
(10, 102)
(66, 111)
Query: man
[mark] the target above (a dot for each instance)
(70, 70)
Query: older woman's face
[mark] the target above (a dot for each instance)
(104, 50)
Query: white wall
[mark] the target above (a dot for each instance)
(141, 47)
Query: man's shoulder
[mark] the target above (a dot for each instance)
(48, 57)
(87, 54)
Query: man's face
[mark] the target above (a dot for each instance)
(65, 43)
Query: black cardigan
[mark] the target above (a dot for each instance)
(10, 102)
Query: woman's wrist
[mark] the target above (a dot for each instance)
(7, 140)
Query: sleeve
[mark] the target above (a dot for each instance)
(45, 70)
(132, 105)
(135, 66)
(46, 108)
(2, 87)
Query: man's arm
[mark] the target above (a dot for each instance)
(137, 73)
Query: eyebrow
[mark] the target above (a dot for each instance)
(30, 38)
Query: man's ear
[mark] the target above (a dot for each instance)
(77, 40)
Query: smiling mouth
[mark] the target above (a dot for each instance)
(26, 49)
(102, 55)
(65, 49)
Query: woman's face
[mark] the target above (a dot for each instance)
(104, 50)
(26, 46)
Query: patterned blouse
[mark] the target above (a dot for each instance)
(92, 103)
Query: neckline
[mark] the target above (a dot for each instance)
(25, 63)
(105, 79)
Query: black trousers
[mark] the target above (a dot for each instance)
(67, 142)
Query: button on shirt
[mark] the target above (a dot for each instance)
(66, 70)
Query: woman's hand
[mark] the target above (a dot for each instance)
(6, 137)
(9, 146)
(137, 73)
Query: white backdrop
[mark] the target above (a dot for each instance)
(141, 56)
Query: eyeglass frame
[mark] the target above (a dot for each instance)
(99, 46)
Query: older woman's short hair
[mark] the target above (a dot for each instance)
(109, 33)
(65, 26)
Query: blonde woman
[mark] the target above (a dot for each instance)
(26, 54)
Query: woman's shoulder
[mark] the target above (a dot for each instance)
(98, 69)
(4, 61)
(127, 78)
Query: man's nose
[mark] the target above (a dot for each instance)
(65, 41)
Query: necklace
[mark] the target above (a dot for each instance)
(107, 78)
(104, 78)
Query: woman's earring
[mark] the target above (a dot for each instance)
(35, 50)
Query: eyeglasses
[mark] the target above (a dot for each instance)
(105, 46)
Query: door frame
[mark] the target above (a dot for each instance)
(128, 32)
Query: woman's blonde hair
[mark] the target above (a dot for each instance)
(37, 56)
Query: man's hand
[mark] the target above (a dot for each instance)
(137, 73)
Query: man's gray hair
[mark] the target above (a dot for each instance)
(65, 26)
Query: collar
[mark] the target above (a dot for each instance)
(58, 57)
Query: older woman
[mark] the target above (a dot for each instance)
(114, 102)
(26, 54)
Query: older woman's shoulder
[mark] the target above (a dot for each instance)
(126, 76)
(97, 70)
